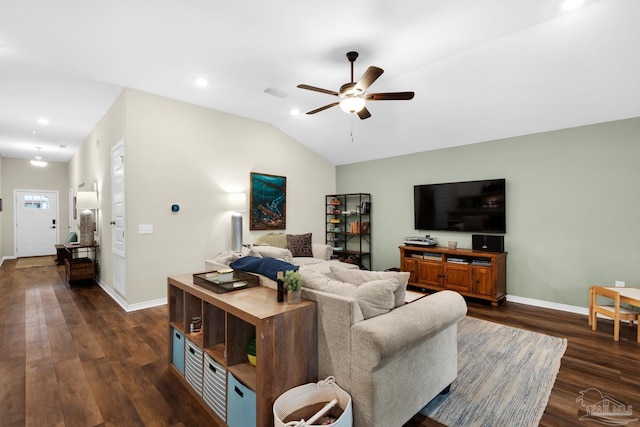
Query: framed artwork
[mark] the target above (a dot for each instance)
(268, 202)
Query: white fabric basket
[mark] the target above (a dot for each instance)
(310, 394)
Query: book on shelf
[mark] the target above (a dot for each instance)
(457, 261)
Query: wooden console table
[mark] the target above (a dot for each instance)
(211, 360)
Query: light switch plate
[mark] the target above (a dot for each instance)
(145, 228)
(619, 284)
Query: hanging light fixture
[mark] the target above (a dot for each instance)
(38, 161)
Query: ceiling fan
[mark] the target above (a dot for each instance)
(353, 93)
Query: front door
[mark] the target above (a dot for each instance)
(36, 227)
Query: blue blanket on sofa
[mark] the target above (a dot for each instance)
(268, 267)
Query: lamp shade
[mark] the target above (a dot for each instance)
(87, 200)
(237, 202)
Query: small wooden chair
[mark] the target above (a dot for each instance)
(613, 311)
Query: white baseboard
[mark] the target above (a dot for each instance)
(6, 257)
(547, 304)
(130, 307)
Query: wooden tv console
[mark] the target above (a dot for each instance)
(474, 274)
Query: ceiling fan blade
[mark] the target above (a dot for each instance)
(390, 96)
(364, 113)
(318, 89)
(317, 110)
(369, 76)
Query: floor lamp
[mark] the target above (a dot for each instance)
(85, 202)
(237, 204)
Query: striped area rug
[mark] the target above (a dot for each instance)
(505, 376)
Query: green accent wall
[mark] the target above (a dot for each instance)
(573, 205)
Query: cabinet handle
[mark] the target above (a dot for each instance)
(240, 393)
(192, 351)
(178, 336)
(213, 368)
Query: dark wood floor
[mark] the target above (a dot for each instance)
(75, 358)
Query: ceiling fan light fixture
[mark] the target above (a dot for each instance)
(352, 105)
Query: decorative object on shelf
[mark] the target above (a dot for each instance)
(196, 324)
(268, 202)
(251, 350)
(292, 283)
(237, 204)
(87, 200)
(225, 274)
(452, 244)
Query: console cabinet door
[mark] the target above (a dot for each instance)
(430, 273)
(483, 281)
(410, 265)
(458, 277)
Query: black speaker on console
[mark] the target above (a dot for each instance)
(487, 243)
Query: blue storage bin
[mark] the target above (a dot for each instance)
(241, 404)
(177, 357)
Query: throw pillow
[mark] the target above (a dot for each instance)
(313, 279)
(268, 267)
(376, 297)
(278, 240)
(72, 237)
(362, 276)
(300, 244)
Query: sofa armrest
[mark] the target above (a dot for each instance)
(212, 265)
(322, 251)
(274, 252)
(379, 339)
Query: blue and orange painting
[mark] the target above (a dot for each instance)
(268, 202)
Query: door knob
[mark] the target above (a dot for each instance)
(112, 223)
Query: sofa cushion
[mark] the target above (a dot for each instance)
(278, 240)
(362, 276)
(266, 266)
(300, 245)
(313, 279)
(376, 297)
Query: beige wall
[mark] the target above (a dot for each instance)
(19, 174)
(572, 205)
(178, 153)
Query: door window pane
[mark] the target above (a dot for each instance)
(36, 202)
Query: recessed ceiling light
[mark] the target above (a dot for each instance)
(295, 112)
(43, 121)
(568, 5)
(200, 82)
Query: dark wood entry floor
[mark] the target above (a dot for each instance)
(75, 358)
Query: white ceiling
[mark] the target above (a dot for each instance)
(481, 69)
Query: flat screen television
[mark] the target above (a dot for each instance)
(472, 206)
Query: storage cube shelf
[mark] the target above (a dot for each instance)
(217, 352)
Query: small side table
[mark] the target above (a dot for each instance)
(619, 295)
(81, 263)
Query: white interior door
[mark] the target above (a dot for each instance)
(36, 227)
(117, 219)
